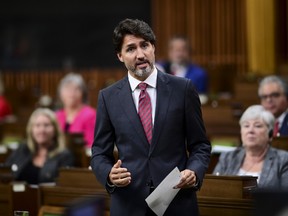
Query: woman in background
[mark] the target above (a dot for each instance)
(38, 160)
(5, 107)
(256, 157)
(76, 116)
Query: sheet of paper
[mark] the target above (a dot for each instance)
(162, 196)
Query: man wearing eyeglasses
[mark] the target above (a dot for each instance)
(273, 93)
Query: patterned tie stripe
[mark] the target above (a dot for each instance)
(145, 111)
(276, 129)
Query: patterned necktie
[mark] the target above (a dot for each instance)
(145, 111)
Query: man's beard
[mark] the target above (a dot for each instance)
(142, 72)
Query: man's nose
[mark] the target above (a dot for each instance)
(140, 53)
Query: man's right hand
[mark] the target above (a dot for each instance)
(118, 176)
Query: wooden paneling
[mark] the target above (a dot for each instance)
(216, 29)
(24, 89)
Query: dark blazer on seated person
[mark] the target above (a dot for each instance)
(284, 127)
(274, 173)
(19, 161)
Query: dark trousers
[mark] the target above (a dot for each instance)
(149, 212)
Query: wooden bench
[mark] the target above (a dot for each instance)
(18, 196)
(71, 185)
(226, 195)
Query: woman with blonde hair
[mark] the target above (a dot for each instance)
(39, 159)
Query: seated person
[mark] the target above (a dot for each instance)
(256, 157)
(179, 64)
(38, 160)
(273, 93)
(5, 107)
(76, 116)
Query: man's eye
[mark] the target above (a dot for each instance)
(130, 49)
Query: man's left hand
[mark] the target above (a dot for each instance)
(188, 179)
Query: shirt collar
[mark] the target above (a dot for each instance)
(280, 119)
(151, 80)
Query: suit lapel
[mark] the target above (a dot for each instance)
(162, 104)
(236, 164)
(127, 104)
(267, 167)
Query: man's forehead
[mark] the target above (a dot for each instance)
(273, 86)
(132, 39)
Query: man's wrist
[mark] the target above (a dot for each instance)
(110, 184)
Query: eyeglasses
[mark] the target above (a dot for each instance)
(271, 96)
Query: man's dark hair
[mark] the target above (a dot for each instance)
(134, 27)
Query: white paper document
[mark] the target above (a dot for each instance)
(162, 196)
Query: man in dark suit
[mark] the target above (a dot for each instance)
(172, 134)
(273, 93)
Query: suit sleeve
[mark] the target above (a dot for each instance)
(198, 146)
(102, 158)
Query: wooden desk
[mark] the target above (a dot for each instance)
(226, 195)
(6, 200)
(72, 184)
(76, 144)
(280, 142)
(219, 195)
(18, 196)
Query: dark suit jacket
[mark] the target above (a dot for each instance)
(284, 128)
(22, 156)
(274, 173)
(178, 124)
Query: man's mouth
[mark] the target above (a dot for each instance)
(142, 64)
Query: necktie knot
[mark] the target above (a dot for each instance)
(142, 86)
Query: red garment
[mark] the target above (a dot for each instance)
(5, 108)
(84, 123)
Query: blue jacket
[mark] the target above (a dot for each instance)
(196, 74)
(284, 128)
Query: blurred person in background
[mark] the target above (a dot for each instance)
(5, 107)
(76, 116)
(38, 160)
(179, 64)
(256, 157)
(273, 93)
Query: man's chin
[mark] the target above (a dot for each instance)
(143, 73)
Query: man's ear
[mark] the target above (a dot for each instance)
(119, 57)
